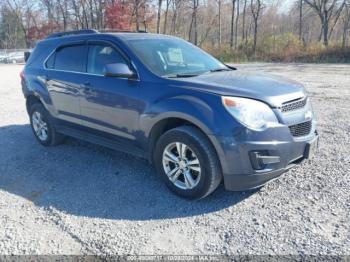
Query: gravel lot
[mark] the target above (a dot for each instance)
(79, 198)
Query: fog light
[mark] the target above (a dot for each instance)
(260, 159)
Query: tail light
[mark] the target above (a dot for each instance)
(21, 74)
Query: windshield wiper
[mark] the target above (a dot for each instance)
(180, 75)
(220, 70)
(197, 74)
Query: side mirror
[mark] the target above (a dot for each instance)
(119, 70)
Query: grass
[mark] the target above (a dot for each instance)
(286, 48)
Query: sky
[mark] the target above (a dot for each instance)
(286, 4)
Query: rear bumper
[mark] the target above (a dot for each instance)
(239, 169)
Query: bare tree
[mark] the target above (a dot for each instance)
(159, 15)
(143, 13)
(100, 6)
(232, 22)
(327, 10)
(207, 23)
(219, 2)
(79, 23)
(167, 3)
(346, 24)
(136, 13)
(256, 6)
(193, 24)
(300, 21)
(176, 5)
(243, 19)
(63, 8)
(236, 30)
(20, 7)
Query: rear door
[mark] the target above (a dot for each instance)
(65, 76)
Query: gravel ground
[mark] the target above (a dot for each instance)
(79, 198)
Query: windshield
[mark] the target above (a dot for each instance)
(171, 57)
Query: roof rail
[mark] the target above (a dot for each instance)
(91, 31)
(121, 31)
(75, 32)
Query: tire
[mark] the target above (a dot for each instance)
(190, 180)
(52, 136)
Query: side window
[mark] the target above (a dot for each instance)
(50, 63)
(70, 58)
(101, 55)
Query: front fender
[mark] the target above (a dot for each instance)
(186, 107)
(208, 118)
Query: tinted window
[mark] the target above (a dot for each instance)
(101, 55)
(70, 58)
(51, 61)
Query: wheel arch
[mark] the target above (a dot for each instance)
(161, 127)
(170, 122)
(31, 100)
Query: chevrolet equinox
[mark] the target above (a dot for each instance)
(158, 97)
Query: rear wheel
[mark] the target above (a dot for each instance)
(43, 127)
(187, 162)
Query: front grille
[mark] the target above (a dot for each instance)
(302, 129)
(293, 105)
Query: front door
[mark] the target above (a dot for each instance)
(110, 104)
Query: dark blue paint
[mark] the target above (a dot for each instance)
(129, 109)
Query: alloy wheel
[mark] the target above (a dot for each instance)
(39, 126)
(181, 165)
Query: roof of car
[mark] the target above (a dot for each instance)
(124, 35)
(129, 36)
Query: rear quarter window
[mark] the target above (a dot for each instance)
(39, 55)
(50, 63)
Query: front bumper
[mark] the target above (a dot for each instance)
(235, 154)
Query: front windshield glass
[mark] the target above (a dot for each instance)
(171, 57)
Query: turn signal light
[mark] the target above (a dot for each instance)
(229, 102)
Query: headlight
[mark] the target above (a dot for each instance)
(251, 113)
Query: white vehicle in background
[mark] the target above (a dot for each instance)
(14, 58)
(3, 56)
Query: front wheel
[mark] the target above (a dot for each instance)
(187, 162)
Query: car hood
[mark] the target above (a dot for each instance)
(273, 90)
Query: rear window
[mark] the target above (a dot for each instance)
(69, 58)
